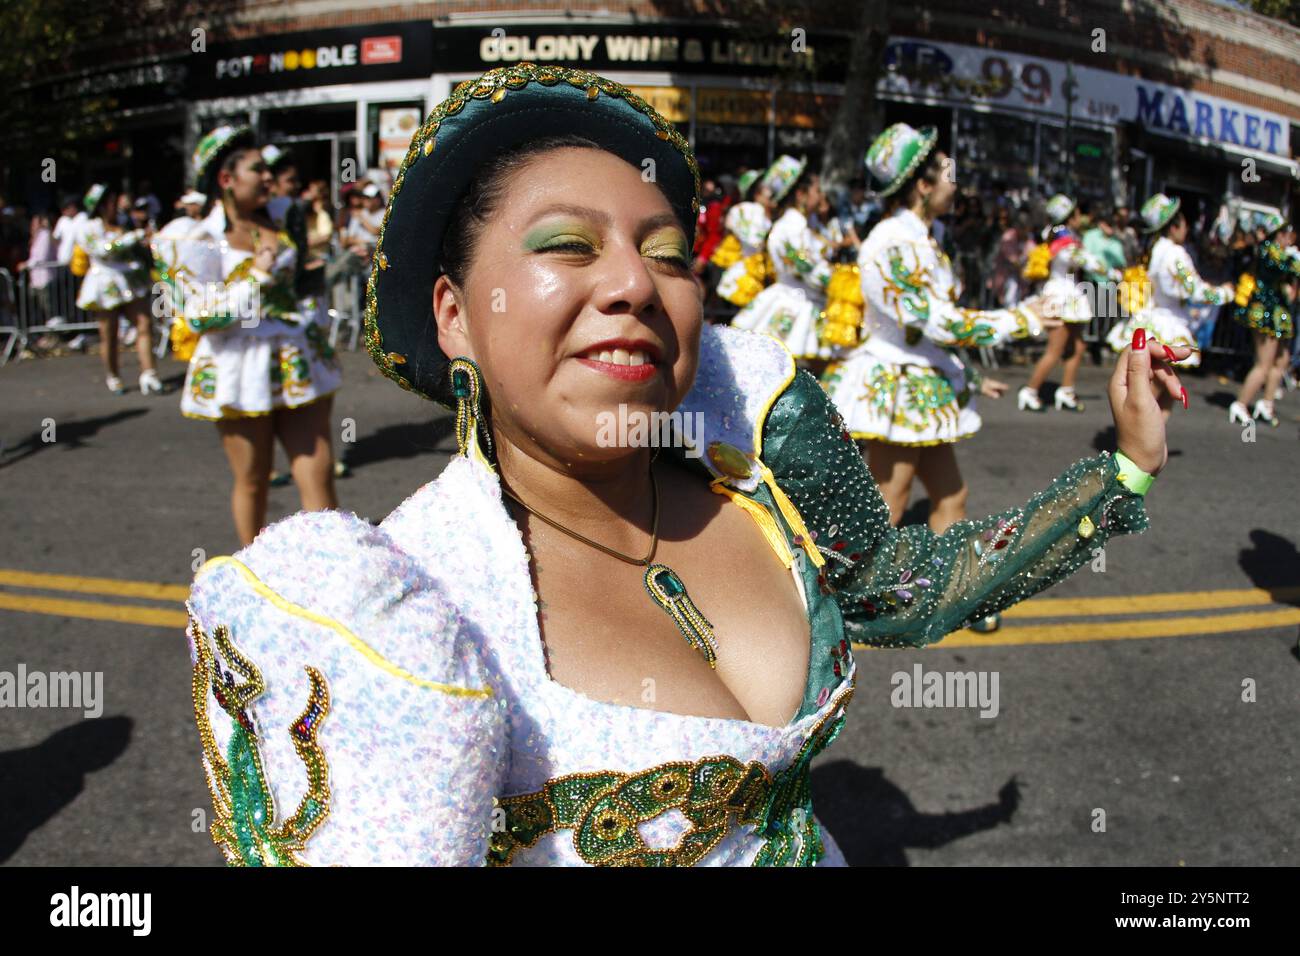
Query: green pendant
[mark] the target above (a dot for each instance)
(669, 593)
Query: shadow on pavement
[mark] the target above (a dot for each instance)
(38, 782)
(1273, 563)
(407, 440)
(873, 821)
(69, 434)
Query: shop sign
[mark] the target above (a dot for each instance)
(955, 73)
(664, 46)
(293, 60)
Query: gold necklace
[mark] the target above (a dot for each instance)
(654, 532)
(662, 583)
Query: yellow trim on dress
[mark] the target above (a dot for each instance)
(762, 517)
(237, 416)
(368, 652)
(761, 419)
(867, 436)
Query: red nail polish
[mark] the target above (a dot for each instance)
(1169, 353)
(1139, 339)
(1184, 398)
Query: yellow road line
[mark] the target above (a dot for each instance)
(1151, 603)
(83, 585)
(96, 610)
(1124, 630)
(1033, 608)
(1142, 604)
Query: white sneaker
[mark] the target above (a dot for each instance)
(115, 385)
(149, 382)
(1065, 399)
(1238, 414)
(1027, 398)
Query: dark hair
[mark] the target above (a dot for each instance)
(928, 172)
(484, 193)
(102, 208)
(208, 184)
(1174, 220)
(788, 200)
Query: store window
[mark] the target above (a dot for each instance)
(994, 153)
(1079, 164)
(389, 130)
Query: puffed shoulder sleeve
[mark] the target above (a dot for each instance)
(345, 714)
(899, 281)
(907, 585)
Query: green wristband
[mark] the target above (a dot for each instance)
(1131, 476)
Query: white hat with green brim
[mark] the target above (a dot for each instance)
(783, 174)
(897, 153)
(93, 195)
(1059, 208)
(1158, 211)
(1271, 222)
(216, 144)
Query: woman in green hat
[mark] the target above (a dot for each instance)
(590, 640)
(1174, 285)
(742, 256)
(262, 367)
(903, 391)
(1264, 304)
(1063, 298)
(792, 308)
(116, 283)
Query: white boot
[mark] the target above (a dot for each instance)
(1065, 399)
(1264, 410)
(149, 382)
(115, 385)
(1238, 414)
(1027, 398)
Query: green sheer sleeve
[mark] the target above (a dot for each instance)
(908, 586)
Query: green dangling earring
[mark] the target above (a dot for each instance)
(467, 389)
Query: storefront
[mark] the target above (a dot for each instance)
(139, 116)
(341, 99)
(740, 99)
(1046, 126)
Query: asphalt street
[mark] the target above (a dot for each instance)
(1133, 708)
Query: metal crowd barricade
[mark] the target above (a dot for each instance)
(346, 309)
(24, 314)
(9, 326)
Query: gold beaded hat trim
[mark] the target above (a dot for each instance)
(504, 108)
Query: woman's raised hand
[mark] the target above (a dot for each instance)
(1142, 391)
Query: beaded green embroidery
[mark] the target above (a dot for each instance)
(603, 808)
(244, 826)
(907, 586)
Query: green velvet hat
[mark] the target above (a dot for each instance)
(504, 108)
